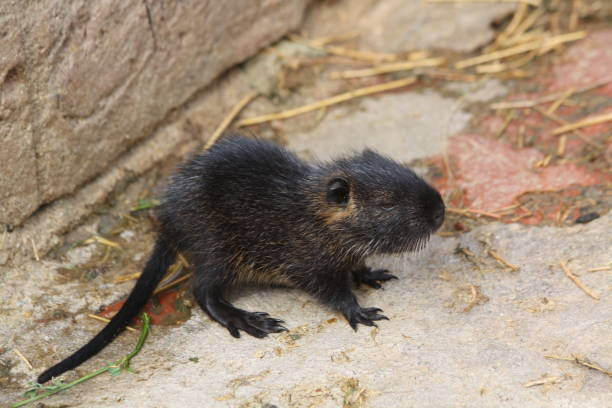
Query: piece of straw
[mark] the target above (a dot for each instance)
(23, 358)
(562, 121)
(502, 261)
(534, 3)
(555, 105)
(103, 241)
(228, 119)
(544, 380)
(577, 281)
(519, 49)
(173, 283)
(467, 211)
(593, 120)
(359, 54)
(105, 320)
(600, 268)
(547, 98)
(386, 68)
(583, 361)
(357, 93)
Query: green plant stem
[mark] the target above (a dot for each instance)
(122, 364)
(61, 388)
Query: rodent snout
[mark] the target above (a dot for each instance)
(438, 217)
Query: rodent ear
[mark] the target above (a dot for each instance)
(338, 191)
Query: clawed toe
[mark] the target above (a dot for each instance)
(257, 324)
(373, 278)
(366, 316)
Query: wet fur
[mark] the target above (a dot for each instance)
(248, 211)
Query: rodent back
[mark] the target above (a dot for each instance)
(244, 197)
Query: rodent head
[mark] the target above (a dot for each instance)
(379, 205)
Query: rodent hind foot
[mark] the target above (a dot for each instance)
(372, 278)
(257, 324)
(366, 316)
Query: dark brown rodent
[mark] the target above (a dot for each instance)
(248, 211)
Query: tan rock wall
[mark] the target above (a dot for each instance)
(81, 82)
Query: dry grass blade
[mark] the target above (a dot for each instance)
(468, 211)
(127, 278)
(35, 249)
(577, 281)
(517, 18)
(360, 55)
(529, 2)
(477, 298)
(386, 68)
(105, 320)
(561, 146)
(228, 119)
(561, 121)
(173, 283)
(501, 260)
(519, 49)
(170, 275)
(545, 380)
(583, 361)
(492, 68)
(600, 268)
(103, 241)
(525, 25)
(23, 358)
(357, 93)
(183, 260)
(346, 52)
(449, 75)
(547, 98)
(554, 106)
(594, 120)
(509, 118)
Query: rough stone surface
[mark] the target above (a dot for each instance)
(401, 125)
(493, 173)
(397, 25)
(436, 351)
(176, 139)
(478, 91)
(83, 83)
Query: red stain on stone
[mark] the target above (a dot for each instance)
(583, 64)
(161, 311)
(492, 173)
(495, 166)
(537, 129)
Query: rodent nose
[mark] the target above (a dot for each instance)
(438, 217)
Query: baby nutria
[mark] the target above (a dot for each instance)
(247, 211)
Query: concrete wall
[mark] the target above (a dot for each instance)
(81, 82)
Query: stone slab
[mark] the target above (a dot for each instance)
(99, 77)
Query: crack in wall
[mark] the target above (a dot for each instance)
(151, 26)
(32, 115)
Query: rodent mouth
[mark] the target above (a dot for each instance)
(418, 244)
(410, 244)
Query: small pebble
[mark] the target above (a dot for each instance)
(127, 235)
(588, 217)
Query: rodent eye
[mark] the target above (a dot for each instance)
(338, 192)
(387, 206)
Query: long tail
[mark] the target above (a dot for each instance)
(163, 256)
